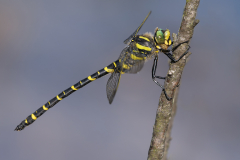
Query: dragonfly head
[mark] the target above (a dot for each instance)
(162, 38)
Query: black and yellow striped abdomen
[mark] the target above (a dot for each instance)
(31, 118)
(131, 60)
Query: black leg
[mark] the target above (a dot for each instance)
(173, 49)
(164, 91)
(154, 67)
(170, 56)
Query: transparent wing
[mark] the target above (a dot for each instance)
(135, 32)
(112, 85)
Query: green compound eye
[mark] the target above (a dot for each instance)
(159, 36)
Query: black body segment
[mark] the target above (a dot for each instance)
(31, 118)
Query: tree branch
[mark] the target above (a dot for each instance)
(166, 109)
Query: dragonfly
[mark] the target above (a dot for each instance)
(139, 48)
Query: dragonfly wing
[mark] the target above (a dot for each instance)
(112, 85)
(135, 32)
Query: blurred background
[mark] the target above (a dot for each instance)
(46, 46)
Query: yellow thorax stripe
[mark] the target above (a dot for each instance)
(90, 78)
(26, 121)
(98, 73)
(73, 88)
(125, 66)
(45, 108)
(63, 92)
(137, 58)
(158, 47)
(81, 82)
(143, 47)
(33, 117)
(144, 38)
(59, 98)
(48, 102)
(114, 64)
(109, 70)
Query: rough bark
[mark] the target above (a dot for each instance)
(166, 109)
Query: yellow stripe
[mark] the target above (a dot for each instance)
(135, 51)
(73, 88)
(125, 66)
(143, 47)
(48, 102)
(137, 58)
(90, 78)
(114, 64)
(59, 98)
(122, 72)
(167, 34)
(144, 38)
(166, 42)
(158, 47)
(44, 108)
(109, 70)
(33, 117)
(26, 121)
(98, 73)
(80, 82)
(63, 92)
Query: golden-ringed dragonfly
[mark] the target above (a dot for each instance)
(131, 60)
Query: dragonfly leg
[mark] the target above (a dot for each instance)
(154, 67)
(170, 56)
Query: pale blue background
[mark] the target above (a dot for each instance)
(46, 46)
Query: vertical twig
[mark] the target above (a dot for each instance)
(168, 133)
(166, 110)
